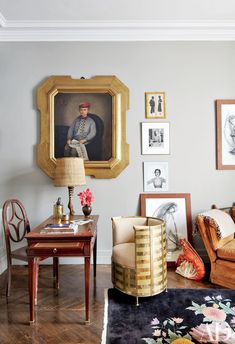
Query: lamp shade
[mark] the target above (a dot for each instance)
(69, 172)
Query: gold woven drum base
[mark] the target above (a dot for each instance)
(125, 279)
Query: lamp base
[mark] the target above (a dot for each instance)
(70, 204)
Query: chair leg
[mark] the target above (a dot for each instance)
(56, 272)
(8, 286)
(137, 301)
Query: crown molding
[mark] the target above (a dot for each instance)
(114, 31)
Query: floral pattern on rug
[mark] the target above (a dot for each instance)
(217, 326)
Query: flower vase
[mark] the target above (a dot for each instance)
(86, 209)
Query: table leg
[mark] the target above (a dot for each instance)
(94, 258)
(87, 289)
(36, 282)
(32, 281)
(56, 272)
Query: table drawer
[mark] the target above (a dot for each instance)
(56, 249)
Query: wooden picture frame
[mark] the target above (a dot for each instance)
(156, 138)
(155, 105)
(225, 132)
(175, 210)
(59, 100)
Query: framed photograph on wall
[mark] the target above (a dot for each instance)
(225, 126)
(155, 138)
(84, 118)
(155, 105)
(175, 210)
(156, 176)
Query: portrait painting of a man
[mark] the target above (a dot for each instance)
(83, 118)
(83, 126)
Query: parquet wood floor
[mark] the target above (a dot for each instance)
(60, 318)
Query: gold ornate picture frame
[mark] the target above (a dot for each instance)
(59, 99)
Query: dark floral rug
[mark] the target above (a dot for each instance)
(178, 316)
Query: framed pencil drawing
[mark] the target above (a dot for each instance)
(175, 210)
(156, 176)
(85, 118)
(155, 105)
(225, 127)
(155, 138)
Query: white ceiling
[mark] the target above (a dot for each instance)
(116, 20)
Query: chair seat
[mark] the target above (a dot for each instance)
(227, 252)
(124, 254)
(20, 253)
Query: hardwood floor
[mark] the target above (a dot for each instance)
(60, 318)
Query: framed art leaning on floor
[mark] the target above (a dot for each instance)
(175, 210)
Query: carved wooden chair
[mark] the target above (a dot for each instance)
(16, 225)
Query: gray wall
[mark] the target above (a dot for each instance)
(193, 75)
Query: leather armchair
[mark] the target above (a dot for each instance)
(217, 229)
(139, 265)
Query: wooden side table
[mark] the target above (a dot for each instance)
(62, 243)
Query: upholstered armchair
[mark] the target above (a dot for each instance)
(139, 265)
(217, 230)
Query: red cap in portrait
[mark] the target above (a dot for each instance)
(84, 105)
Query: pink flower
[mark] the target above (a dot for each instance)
(213, 333)
(157, 333)
(155, 321)
(86, 197)
(214, 314)
(177, 320)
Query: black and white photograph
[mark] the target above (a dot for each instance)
(175, 210)
(156, 176)
(155, 105)
(155, 138)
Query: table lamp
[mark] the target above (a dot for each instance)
(70, 172)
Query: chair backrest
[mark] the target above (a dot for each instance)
(216, 228)
(15, 222)
(123, 228)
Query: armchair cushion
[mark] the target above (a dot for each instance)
(221, 227)
(123, 231)
(227, 252)
(124, 254)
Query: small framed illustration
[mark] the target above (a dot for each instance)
(175, 210)
(155, 105)
(225, 126)
(155, 138)
(156, 176)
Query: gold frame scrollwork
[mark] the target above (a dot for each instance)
(109, 85)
